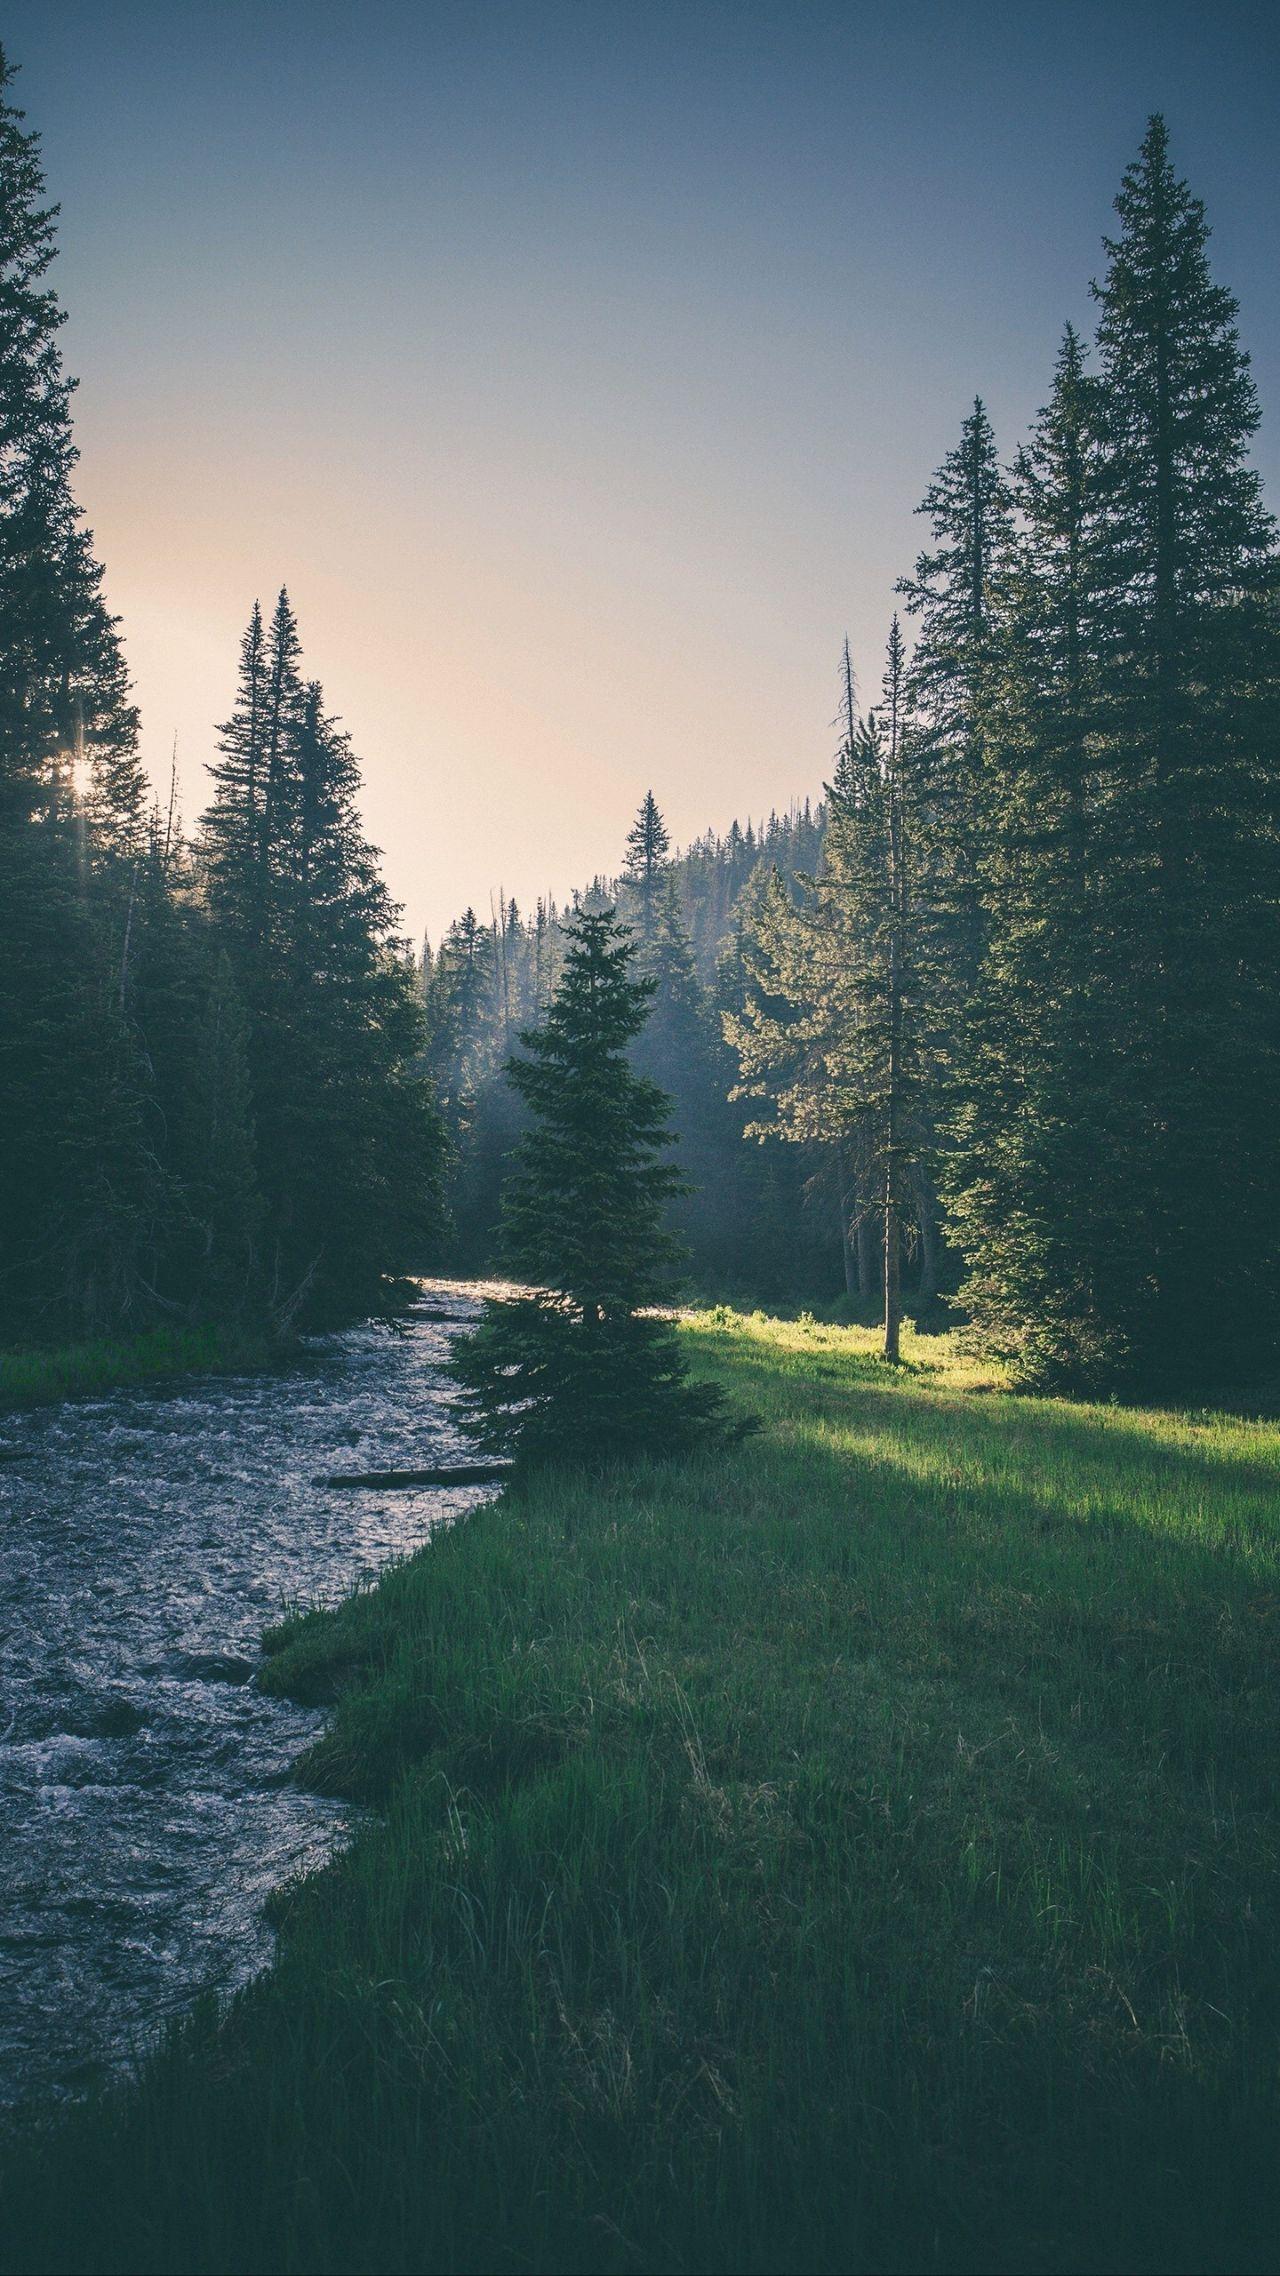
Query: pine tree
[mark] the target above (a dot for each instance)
(968, 506)
(460, 1010)
(1034, 1206)
(969, 510)
(837, 1034)
(233, 821)
(281, 819)
(698, 896)
(648, 846)
(1115, 1164)
(1190, 773)
(582, 1368)
(63, 689)
(72, 828)
(347, 1134)
(347, 1138)
(677, 1026)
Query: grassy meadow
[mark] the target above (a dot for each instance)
(856, 1851)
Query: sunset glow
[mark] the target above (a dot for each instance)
(576, 367)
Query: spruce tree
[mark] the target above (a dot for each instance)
(233, 819)
(1034, 1202)
(648, 846)
(1115, 1161)
(582, 1367)
(72, 829)
(460, 1008)
(1190, 769)
(838, 1032)
(346, 1135)
(951, 592)
(63, 688)
(280, 818)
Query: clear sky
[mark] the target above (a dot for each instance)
(578, 365)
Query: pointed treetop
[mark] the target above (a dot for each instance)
(1180, 405)
(648, 842)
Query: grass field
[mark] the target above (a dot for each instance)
(857, 1851)
(39, 1378)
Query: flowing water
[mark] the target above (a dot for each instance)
(146, 1539)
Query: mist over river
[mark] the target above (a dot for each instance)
(147, 1538)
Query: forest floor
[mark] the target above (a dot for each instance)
(853, 1852)
(38, 1378)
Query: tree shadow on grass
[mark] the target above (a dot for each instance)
(1080, 1451)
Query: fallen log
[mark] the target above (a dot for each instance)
(456, 1474)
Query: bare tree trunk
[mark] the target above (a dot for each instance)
(893, 1101)
(892, 1268)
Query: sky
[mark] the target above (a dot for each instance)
(578, 366)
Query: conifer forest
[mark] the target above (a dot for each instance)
(639, 1525)
(994, 1016)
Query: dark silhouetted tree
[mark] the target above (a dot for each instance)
(582, 1367)
(648, 846)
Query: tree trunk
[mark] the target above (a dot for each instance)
(848, 1249)
(892, 1268)
(892, 1242)
(927, 1206)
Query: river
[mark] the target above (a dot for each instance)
(147, 1537)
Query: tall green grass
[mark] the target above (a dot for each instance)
(856, 1851)
(39, 1378)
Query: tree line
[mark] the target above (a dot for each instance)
(1011, 996)
(998, 1017)
(214, 1100)
(753, 1219)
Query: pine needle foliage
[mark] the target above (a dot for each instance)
(583, 1368)
(648, 850)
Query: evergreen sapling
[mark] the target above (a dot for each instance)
(582, 1367)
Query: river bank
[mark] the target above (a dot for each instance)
(856, 1851)
(38, 1378)
(148, 1534)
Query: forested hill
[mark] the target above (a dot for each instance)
(689, 914)
(712, 879)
